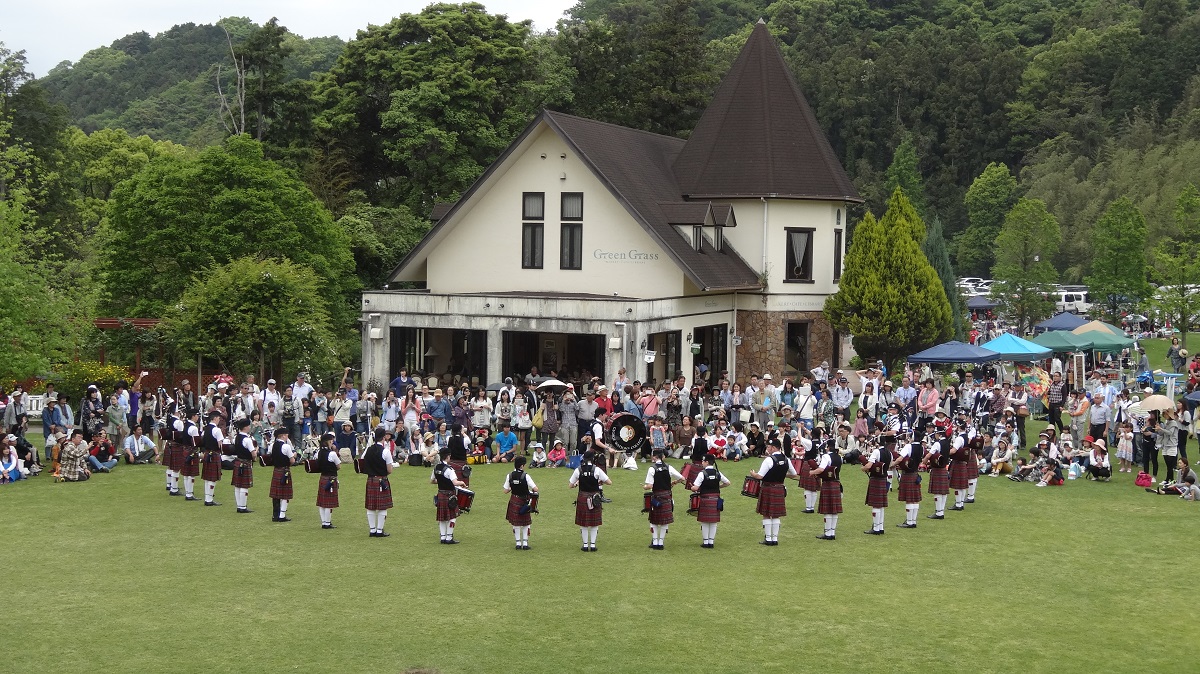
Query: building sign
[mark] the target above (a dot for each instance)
(631, 255)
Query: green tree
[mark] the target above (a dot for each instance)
(1176, 266)
(379, 238)
(988, 200)
(255, 311)
(181, 216)
(905, 173)
(264, 55)
(938, 254)
(1024, 270)
(1118, 276)
(889, 298)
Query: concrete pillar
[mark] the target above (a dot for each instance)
(495, 356)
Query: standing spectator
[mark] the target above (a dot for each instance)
(1099, 416)
(1018, 400)
(116, 423)
(551, 421)
(389, 411)
(1168, 441)
(481, 410)
(320, 408)
(568, 410)
(927, 401)
(843, 397)
(67, 414)
(15, 417)
(439, 408)
(765, 402)
(401, 383)
(301, 389)
(291, 413)
(1077, 410)
(1177, 361)
(268, 395)
(1055, 396)
(821, 372)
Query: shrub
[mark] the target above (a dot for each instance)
(74, 377)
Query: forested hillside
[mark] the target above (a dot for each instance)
(969, 107)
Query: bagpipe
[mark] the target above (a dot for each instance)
(530, 505)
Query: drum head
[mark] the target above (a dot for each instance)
(627, 432)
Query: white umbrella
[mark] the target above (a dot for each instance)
(1136, 318)
(551, 383)
(1157, 402)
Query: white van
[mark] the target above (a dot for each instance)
(1074, 301)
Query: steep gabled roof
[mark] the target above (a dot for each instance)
(759, 138)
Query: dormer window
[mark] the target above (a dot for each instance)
(698, 238)
(718, 238)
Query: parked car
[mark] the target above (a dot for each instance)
(1074, 301)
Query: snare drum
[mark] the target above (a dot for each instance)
(533, 502)
(358, 465)
(752, 486)
(465, 498)
(262, 461)
(694, 503)
(647, 502)
(310, 465)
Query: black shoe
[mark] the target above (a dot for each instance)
(906, 525)
(452, 541)
(382, 534)
(581, 549)
(190, 498)
(244, 511)
(281, 519)
(970, 500)
(518, 547)
(873, 532)
(957, 508)
(328, 526)
(824, 538)
(174, 493)
(808, 512)
(211, 503)
(935, 517)
(653, 546)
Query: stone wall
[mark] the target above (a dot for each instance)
(764, 343)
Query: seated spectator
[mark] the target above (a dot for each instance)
(1178, 487)
(73, 459)
(27, 457)
(1099, 467)
(738, 443)
(557, 457)
(480, 452)
(505, 443)
(1029, 471)
(539, 456)
(1051, 474)
(1190, 491)
(429, 449)
(346, 438)
(139, 448)
(1002, 459)
(52, 442)
(101, 454)
(506, 453)
(10, 464)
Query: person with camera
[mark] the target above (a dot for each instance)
(102, 454)
(772, 504)
(588, 478)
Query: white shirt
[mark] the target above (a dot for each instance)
(301, 390)
(823, 463)
(700, 479)
(768, 463)
(177, 425)
(287, 450)
(599, 474)
(670, 469)
(269, 396)
(248, 443)
(387, 456)
(448, 473)
(528, 482)
(218, 435)
(334, 458)
(133, 444)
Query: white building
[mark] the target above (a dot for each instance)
(588, 246)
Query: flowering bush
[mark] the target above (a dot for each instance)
(73, 378)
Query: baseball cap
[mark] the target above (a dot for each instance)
(11, 438)
(270, 381)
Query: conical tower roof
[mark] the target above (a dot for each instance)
(759, 138)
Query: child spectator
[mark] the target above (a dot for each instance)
(557, 458)
(539, 456)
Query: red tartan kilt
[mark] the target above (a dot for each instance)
(447, 506)
(514, 516)
(211, 470)
(189, 464)
(808, 483)
(708, 512)
(458, 470)
(588, 517)
(961, 473)
(939, 481)
(831, 498)
(664, 513)
(910, 488)
(771, 500)
(379, 493)
(877, 492)
(243, 474)
(173, 456)
(690, 471)
(327, 498)
(281, 484)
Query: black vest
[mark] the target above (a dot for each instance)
(711, 484)
(880, 467)
(699, 449)
(662, 477)
(277, 458)
(964, 453)
(187, 438)
(778, 471)
(210, 441)
(943, 456)
(834, 471)
(444, 483)
(373, 458)
(517, 484)
(458, 448)
(814, 451)
(324, 465)
(239, 447)
(587, 479)
(916, 453)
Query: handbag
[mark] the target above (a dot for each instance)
(744, 416)
(1143, 479)
(539, 418)
(1023, 411)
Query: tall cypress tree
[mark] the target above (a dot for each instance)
(890, 298)
(904, 173)
(938, 254)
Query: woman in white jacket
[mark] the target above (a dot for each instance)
(867, 401)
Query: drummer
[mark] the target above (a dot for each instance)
(521, 487)
(659, 479)
(447, 496)
(771, 503)
(708, 483)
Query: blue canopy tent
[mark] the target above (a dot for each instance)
(1064, 321)
(1011, 347)
(954, 352)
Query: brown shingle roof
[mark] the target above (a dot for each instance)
(636, 166)
(440, 209)
(759, 138)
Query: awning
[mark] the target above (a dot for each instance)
(981, 302)
(954, 352)
(1063, 341)
(1064, 321)
(1011, 347)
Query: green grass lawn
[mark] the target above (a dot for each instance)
(1156, 350)
(111, 575)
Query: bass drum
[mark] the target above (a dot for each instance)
(626, 432)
